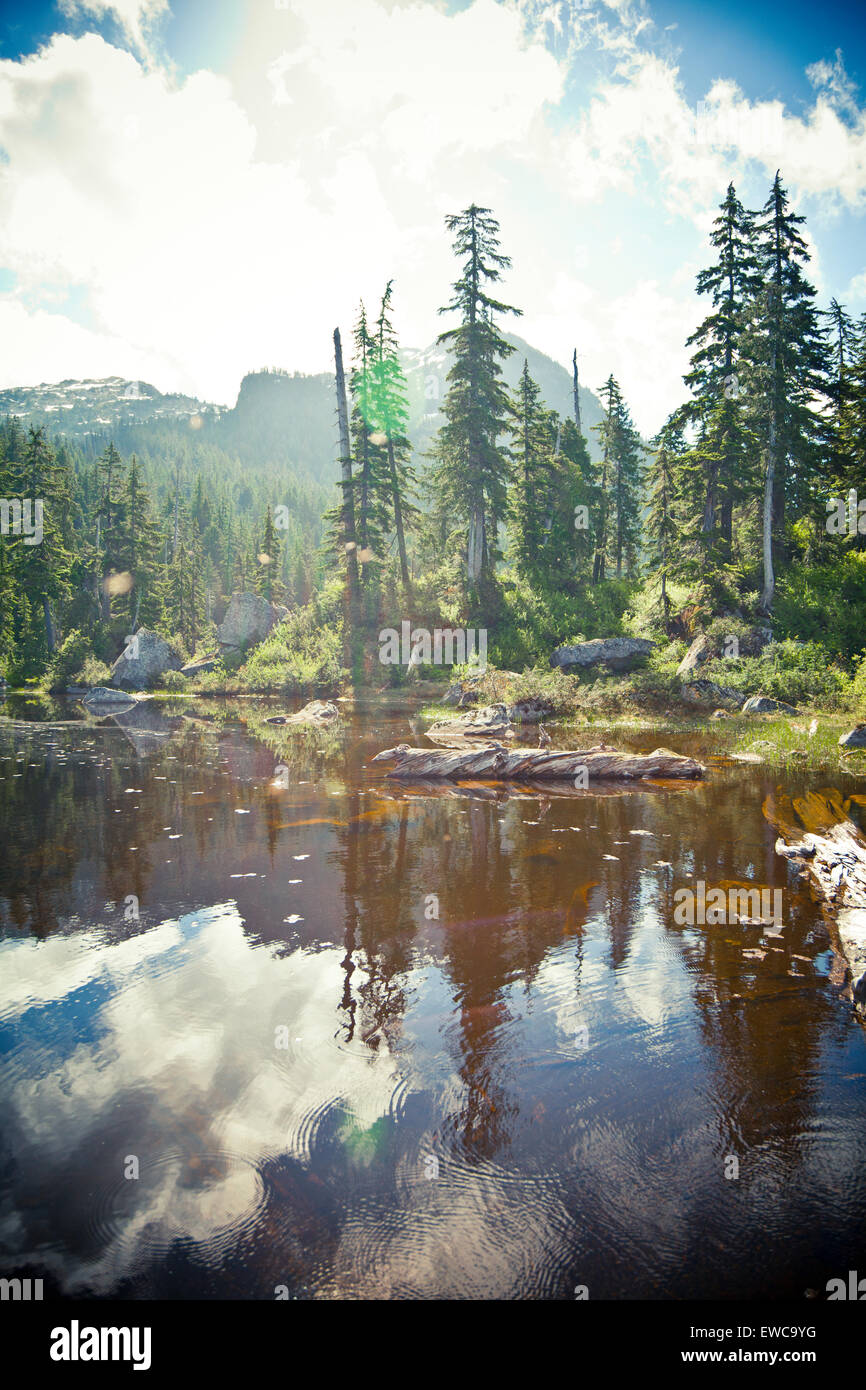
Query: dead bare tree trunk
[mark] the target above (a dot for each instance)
(398, 518)
(576, 393)
(350, 543)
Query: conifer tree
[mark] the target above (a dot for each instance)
(471, 470)
(267, 580)
(391, 415)
(717, 376)
(789, 362)
(532, 452)
(40, 568)
(662, 530)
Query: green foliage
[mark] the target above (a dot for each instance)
(94, 672)
(302, 653)
(857, 689)
(825, 604)
(798, 673)
(68, 660)
(171, 680)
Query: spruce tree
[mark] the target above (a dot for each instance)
(391, 416)
(471, 470)
(532, 452)
(788, 351)
(661, 526)
(717, 374)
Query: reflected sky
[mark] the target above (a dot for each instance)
(241, 1051)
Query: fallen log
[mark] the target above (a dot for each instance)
(826, 849)
(493, 762)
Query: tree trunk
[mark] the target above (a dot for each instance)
(50, 635)
(503, 764)
(769, 484)
(398, 517)
(348, 515)
(576, 392)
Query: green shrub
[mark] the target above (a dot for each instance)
(799, 673)
(824, 604)
(67, 660)
(94, 672)
(171, 680)
(857, 688)
(303, 652)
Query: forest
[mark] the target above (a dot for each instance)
(740, 516)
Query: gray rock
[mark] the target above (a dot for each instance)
(616, 653)
(530, 711)
(103, 695)
(762, 704)
(856, 738)
(316, 712)
(199, 668)
(147, 657)
(249, 618)
(482, 723)
(704, 692)
(697, 653)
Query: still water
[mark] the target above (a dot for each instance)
(317, 1035)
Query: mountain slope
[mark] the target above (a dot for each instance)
(279, 422)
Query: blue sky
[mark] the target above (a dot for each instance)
(193, 188)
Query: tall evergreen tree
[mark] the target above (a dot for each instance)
(622, 464)
(391, 413)
(532, 451)
(471, 470)
(716, 375)
(788, 352)
(662, 530)
(40, 567)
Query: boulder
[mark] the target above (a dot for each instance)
(249, 618)
(461, 693)
(616, 653)
(704, 692)
(103, 695)
(531, 710)
(316, 712)
(855, 739)
(720, 714)
(697, 653)
(762, 704)
(200, 668)
(482, 723)
(147, 657)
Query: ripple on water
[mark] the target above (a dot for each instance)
(477, 1230)
(211, 1198)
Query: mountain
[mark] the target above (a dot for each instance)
(280, 421)
(79, 408)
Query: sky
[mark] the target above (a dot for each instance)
(194, 189)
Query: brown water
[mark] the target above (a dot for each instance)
(328, 1089)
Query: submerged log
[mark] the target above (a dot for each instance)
(495, 763)
(825, 847)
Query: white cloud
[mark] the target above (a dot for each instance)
(135, 17)
(218, 223)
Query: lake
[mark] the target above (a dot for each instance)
(276, 1026)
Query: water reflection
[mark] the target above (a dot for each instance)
(364, 1040)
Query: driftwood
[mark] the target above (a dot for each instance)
(825, 847)
(495, 763)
